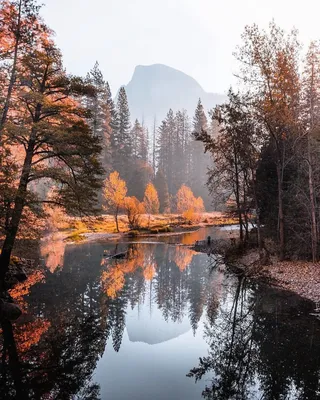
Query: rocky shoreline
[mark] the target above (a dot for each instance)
(300, 277)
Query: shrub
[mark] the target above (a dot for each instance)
(134, 211)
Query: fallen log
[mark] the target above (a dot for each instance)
(116, 256)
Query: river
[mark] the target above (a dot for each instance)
(159, 324)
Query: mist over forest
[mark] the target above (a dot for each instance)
(146, 228)
(160, 145)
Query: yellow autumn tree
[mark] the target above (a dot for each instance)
(151, 201)
(199, 205)
(115, 191)
(187, 204)
(134, 209)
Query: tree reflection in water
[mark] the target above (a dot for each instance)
(163, 269)
(252, 351)
(54, 347)
(72, 312)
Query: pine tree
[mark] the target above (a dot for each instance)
(101, 110)
(200, 121)
(162, 188)
(154, 142)
(139, 139)
(121, 140)
(165, 150)
(200, 161)
(182, 156)
(114, 126)
(144, 145)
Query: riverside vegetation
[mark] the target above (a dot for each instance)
(67, 146)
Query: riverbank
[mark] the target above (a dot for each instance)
(104, 228)
(302, 278)
(299, 277)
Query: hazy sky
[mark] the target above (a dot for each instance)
(194, 36)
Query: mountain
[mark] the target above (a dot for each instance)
(153, 329)
(154, 89)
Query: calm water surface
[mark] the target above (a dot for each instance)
(156, 325)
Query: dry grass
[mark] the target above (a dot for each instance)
(106, 223)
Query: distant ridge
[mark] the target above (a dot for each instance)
(154, 89)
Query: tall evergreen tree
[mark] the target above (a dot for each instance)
(162, 188)
(165, 150)
(154, 147)
(101, 110)
(200, 160)
(182, 156)
(121, 139)
(139, 138)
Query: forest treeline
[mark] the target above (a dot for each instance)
(168, 154)
(63, 136)
(266, 156)
(116, 200)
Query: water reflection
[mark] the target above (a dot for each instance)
(148, 318)
(52, 249)
(262, 345)
(155, 275)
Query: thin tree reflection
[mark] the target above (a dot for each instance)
(232, 354)
(252, 354)
(11, 382)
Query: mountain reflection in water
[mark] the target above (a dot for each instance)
(155, 325)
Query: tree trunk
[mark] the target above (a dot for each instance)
(259, 237)
(314, 238)
(280, 212)
(116, 218)
(6, 105)
(17, 213)
(237, 193)
(245, 210)
(9, 346)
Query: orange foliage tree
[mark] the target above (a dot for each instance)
(49, 127)
(187, 204)
(115, 190)
(151, 200)
(20, 29)
(134, 210)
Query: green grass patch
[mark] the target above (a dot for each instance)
(75, 237)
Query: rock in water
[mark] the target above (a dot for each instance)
(9, 311)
